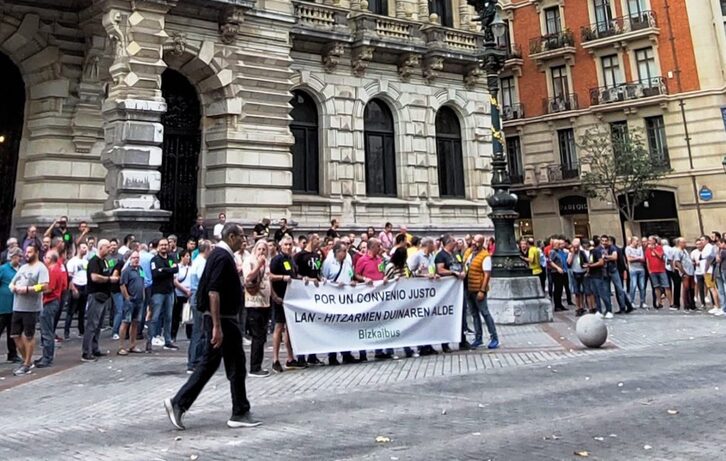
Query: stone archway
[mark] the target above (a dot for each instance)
(11, 131)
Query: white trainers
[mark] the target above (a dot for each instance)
(115, 337)
(598, 315)
(609, 315)
(719, 313)
(714, 310)
(157, 341)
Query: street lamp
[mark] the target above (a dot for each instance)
(515, 295)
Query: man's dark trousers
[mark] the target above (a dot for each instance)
(234, 366)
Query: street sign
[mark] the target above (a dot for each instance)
(705, 194)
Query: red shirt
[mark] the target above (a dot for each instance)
(58, 283)
(655, 260)
(369, 267)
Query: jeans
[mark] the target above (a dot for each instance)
(623, 301)
(5, 320)
(675, 280)
(47, 330)
(701, 289)
(480, 309)
(637, 281)
(162, 307)
(95, 311)
(601, 288)
(196, 345)
(118, 311)
(234, 365)
(720, 279)
(257, 320)
(76, 305)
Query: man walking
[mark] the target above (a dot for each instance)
(58, 282)
(163, 269)
(28, 285)
(100, 278)
(219, 297)
(7, 273)
(478, 275)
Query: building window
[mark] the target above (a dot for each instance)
(560, 85)
(380, 150)
(553, 24)
(618, 137)
(611, 70)
(449, 154)
(508, 92)
(568, 153)
(603, 15)
(723, 7)
(657, 144)
(304, 128)
(514, 160)
(443, 9)
(378, 7)
(647, 72)
(636, 7)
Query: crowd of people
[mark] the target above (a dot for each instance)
(680, 276)
(146, 292)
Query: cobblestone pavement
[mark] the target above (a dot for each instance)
(539, 397)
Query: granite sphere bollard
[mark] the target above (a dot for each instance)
(591, 331)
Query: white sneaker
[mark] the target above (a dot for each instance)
(115, 337)
(609, 315)
(719, 313)
(598, 315)
(246, 341)
(157, 341)
(714, 310)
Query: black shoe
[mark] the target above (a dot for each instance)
(41, 364)
(445, 349)
(409, 354)
(315, 362)
(259, 374)
(579, 312)
(245, 420)
(464, 346)
(88, 358)
(295, 365)
(620, 312)
(171, 347)
(333, 361)
(15, 359)
(362, 357)
(349, 359)
(100, 354)
(629, 310)
(174, 413)
(277, 367)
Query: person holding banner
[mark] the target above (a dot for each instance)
(448, 265)
(370, 267)
(421, 264)
(338, 269)
(282, 270)
(309, 263)
(395, 269)
(479, 272)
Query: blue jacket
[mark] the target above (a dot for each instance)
(7, 272)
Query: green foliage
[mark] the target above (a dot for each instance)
(617, 165)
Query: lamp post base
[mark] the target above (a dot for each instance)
(518, 301)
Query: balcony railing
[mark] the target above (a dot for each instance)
(618, 26)
(560, 103)
(513, 112)
(551, 42)
(562, 172)
(655, 86)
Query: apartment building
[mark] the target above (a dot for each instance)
(655, 65)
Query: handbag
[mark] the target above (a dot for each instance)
(187, 312)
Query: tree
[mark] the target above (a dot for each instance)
(619, 168)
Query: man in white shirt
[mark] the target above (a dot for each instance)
(338, 269)
(219, 226)
(699, 262)
(79, 279)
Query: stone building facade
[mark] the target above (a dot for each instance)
(654, 65)
(140, 114)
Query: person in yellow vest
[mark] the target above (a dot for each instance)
(479, 273)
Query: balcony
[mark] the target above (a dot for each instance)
(513, 58)
(630, 91)
(558, 172)
(562, 103)
(512, 112)
(552, 46)
(618, 31)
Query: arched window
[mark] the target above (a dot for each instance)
(380, 150)
(443, 9)
(304, 128)
(448, 154)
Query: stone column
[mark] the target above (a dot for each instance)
(132, 118)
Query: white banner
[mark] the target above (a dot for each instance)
(410, 312)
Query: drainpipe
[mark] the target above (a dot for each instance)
(682, 105)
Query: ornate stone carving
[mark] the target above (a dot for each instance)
(432, 66)
(331, 56)
(362, 56)
(407, 65)
(473, 77)
(178, 43)
(230, 21)
(116, 25)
